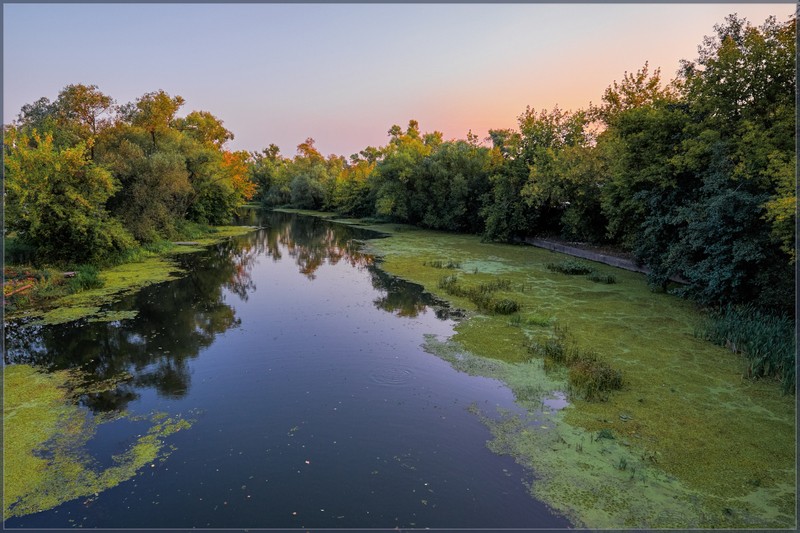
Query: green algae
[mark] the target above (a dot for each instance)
(45, 433)
(113, 316)
(67, 313)
(697, 445)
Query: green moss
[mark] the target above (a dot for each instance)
(45, 433)
(697, 433)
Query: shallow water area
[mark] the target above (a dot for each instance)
(312, 400)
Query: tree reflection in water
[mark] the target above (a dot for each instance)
(177, 319)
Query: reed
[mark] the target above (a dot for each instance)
(767, 341)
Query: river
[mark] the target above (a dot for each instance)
(313, 402)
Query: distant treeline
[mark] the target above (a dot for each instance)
(694, 176)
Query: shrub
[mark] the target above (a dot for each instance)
(481, 295)
(442, 264)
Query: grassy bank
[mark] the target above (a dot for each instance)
(688, 441)
(52, 297)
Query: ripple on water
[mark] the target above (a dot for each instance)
(393, 376)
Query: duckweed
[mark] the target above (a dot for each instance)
(44, 457)
(696, 432)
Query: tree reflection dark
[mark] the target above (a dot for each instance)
(177, 319)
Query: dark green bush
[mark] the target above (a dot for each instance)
(481, 295)
(442, 264)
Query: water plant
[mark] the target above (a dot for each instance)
(594, 379)
(45, 458)
(86, 277)
(506, 306)
(570, 266)
(481, 294)
(442, 264)
(605, 433)
(589, 377)
(650, 337)
(766, 341)
(601, 278)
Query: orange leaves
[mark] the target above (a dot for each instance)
(236, 167)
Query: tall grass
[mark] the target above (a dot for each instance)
(589, 377)
(86, 277)
(767, 341)
(572, 268)
(481, 295)
(442, 264)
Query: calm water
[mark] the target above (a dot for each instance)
(315, 405)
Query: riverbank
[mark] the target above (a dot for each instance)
(48, 300)
(688, 442)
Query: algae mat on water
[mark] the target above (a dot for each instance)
(44, 458)
(688, 442)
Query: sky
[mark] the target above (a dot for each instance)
(343, 74)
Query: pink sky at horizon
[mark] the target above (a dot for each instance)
(344, 74)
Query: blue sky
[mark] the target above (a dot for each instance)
(344, 73)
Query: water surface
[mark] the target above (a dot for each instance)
(314, 403)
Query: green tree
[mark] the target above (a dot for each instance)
(551, 187)
(395, 181)
(154, 112)
(741, 143)
(455, 178)
(55, 200)
(204, 128)
(155, 186)
(504, 212)
(83, 111)
(351, 195)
